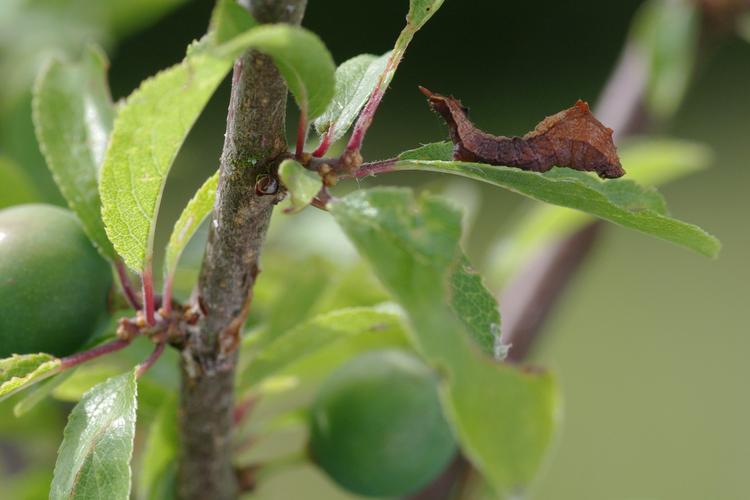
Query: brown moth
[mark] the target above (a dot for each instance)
(572, 138)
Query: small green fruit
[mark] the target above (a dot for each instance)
(53, 283)
(377, 427)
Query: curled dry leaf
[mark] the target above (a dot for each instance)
(572, 138)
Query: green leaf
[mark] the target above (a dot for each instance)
(229, 19)
(129, 16)
(351, 286)
(503, 416)
(348, 76)
(158, 467)
(94, 457)
(73, 115)
(666, 34)
(295, 296)
(420, 11)
(506, 444)
(620, 201)
(292, 288)
(302, 59)
(148, 133)
(40, 392)
(655, 161)
(303, 184)
(23, 370)
(85, 377)
(355, 81)
(196, 211)
(648, 161)
(442, 151)
(317, 334)
(17, 187)
(476, 307)
(155, 120)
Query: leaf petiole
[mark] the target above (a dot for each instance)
(416, 18)
(376, 167)
(325, 144)
(147, 278)
(167, 293)
(151, 360)
(301, 135)
(127, 286)
(82, 357)
(365, 118)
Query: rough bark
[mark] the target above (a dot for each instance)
(255, 141)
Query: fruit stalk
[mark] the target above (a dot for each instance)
(151, 360)
(82, 357)
(255, 141)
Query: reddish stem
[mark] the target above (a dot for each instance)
(148, 295)
(127, 286)
(152, 358)
(167, 295)
(365, 119)
(242, 408)
(321, 199)
(301, 135)
(82, 357)
(325, 143)
(374, 168)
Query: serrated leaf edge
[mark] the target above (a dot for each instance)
(16, 384)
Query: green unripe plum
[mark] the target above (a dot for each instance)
(53, 282)
(377, 428)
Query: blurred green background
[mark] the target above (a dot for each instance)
(651, 343)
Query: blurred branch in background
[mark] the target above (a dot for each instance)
(13, 130)
(644, 91)
(535, 289)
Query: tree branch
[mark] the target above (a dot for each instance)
(533, 293)
(255, 141)
(529, 298)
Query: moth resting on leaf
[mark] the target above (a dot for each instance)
(572, 138)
